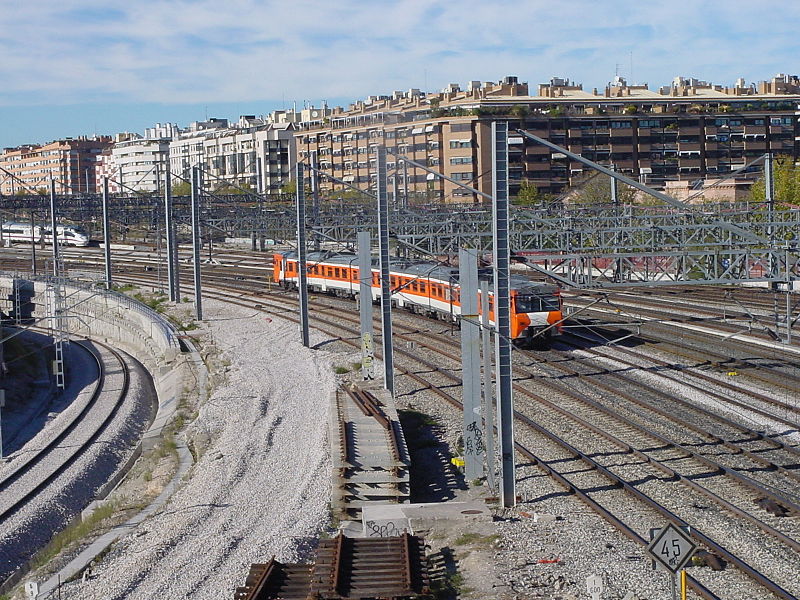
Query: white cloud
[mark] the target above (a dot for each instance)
(202, 51)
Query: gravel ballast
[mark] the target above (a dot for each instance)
(261, 483)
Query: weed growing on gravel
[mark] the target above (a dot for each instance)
(123, 288)
(341, 370)
(156, 301)
(75, 533)
(475, 539)
(446, 587)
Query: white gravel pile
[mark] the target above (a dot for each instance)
(260, 488)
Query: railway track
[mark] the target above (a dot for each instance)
(34, 480)
(566, 452)
(750, 578)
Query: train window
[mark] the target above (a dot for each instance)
(414, 286)
(336, 272)
(393, 281)
(422, 287)
(68, 234)
(531, 304)
(551, 303)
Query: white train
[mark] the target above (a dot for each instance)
(67, 235)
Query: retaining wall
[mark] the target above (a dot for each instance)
(124, 323)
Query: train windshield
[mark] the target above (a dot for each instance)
(532, 304)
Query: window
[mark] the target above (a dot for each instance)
(620, 124)
(649, 123)
(461, 160)
(462, 176)
(460, 127)
(461, 143)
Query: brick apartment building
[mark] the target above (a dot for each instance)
(70, 162)
(685, 131)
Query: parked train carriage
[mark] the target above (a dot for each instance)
(426, 288)
(68, 235)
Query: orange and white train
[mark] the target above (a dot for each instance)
(428, 289)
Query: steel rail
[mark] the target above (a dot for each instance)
(77, 451)
(697, 586)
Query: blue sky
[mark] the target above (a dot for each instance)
(74, 67)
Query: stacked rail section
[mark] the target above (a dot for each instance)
(390, 568)
(370, 457)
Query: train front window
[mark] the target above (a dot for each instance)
(532, 304)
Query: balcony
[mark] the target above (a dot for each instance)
(622, 132)
(690, 162)
(622, 148)
(537, 149)
(689, 146)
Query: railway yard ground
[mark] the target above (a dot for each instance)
(259, 480)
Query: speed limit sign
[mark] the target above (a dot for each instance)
(672, 548)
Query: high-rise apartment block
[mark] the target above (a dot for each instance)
(685, 131)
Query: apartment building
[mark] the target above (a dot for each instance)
(685, 131)
(71, 163)
(252, 153)
(138, 163)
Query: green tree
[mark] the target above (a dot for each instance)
(226, 189)
(595, 188)
(182, 188)
(529, 195)
(787, 184)
(520, 111)
(290, 187)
